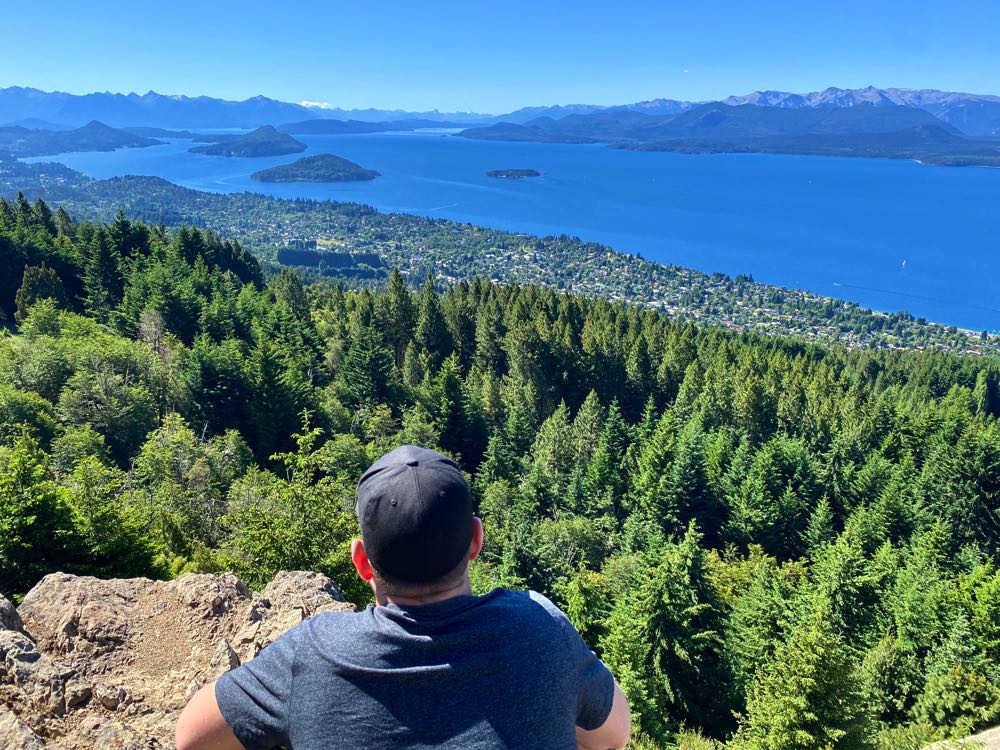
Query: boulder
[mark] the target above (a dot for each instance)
(208, 595)
(33, 674)
(86, 662)
(14, 734)
(311, 592)
(79, 615)
(9, 619)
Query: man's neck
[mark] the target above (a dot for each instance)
(461, 587)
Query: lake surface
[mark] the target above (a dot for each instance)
(891, 235)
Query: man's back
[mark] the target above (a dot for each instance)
(503, 670)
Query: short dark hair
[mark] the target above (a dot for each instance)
(396, 587)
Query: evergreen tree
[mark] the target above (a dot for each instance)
(367, 374)
(102, 281)
(604, 482)
(37, 532)
(431, 333)
(275, 402)
(38, 283)
(807, 698)
(664, 645)
(397, 316)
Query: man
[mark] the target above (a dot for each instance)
(430, 665)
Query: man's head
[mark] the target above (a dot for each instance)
(417, 525)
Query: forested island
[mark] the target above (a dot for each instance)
(513, 174)
(264, 141)
(319, 168)
(772, 543)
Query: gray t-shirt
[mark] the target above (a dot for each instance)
(504, 670)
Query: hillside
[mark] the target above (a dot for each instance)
(752, 531)
(319, 168)
(182, 634)
(264, 141)
(94, 136)
(453, 251)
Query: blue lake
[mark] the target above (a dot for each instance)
(891, 235)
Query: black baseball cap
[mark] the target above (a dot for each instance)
(415, 512)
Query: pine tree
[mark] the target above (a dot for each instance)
(431, 332)
(463, 429)
(367, 375)
(807, 697)
(757, 624)
(414, 368)
(102, 281)
(820, 531)
(959, 694)
(275, 404)
(38, 283)
(604, 482)
(664, 645)
(650, 482)
(687, 495)
(123, 236)
(489, 355)
(551, 463)
(397, 316)
(288, 292)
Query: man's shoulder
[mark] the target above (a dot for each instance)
(533, 607)
(540, 600)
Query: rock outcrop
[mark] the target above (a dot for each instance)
(90, 663)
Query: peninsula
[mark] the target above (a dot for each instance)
(94, 136)
(264, 141)
(319, 168)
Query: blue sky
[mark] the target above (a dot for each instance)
(497, 56)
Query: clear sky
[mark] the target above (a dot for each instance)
(495, 56)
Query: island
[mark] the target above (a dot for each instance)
(513, 174)
(319, 168)
(264, 141)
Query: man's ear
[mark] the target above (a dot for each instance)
(476, 545)
(360, 559)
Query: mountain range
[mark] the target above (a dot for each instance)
(53, 110)
(868, 129)
(713, 120)
(972, 114)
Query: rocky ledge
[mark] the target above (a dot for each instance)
(87, 663)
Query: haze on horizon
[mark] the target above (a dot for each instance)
(455, 56)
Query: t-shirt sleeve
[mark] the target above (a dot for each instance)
(595, 684)
(253, 698)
